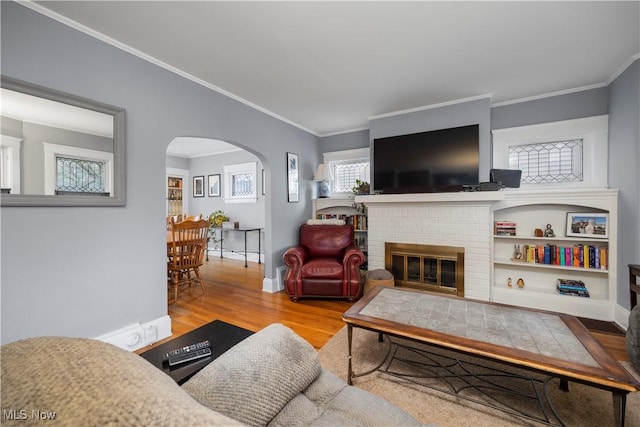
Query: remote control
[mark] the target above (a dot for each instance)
(188, 357)
(193, 348)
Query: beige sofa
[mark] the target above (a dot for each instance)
(273, 377)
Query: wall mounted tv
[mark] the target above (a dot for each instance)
(438, 160)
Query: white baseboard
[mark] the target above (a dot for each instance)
(277, 284)
(138, 335)
(621, 316)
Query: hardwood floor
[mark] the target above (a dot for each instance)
(234, 295)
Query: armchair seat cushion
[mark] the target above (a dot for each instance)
(325, 268)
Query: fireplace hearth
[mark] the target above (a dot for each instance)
(427, 267)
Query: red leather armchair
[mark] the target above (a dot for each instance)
(326, 263)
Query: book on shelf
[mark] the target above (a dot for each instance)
(572, 287)
(505, 228)
(577, 256)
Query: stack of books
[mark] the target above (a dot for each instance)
(505, 228)
(572, 287)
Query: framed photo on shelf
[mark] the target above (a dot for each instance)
(292, 178)
(213, 184)
(591, 225)
(198, 186)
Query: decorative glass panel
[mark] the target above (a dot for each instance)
(80, 176)
(242, 185)
(548, 162)
(345, 175)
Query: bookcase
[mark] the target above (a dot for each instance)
(351, 212)
(542, 265)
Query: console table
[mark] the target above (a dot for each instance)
(240, 230)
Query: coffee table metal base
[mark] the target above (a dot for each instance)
(511, 391)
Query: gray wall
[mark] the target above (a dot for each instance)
(89, 271)
(624, 169)
(345, 141)
(250, 215)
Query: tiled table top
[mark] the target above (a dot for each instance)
(540, 333)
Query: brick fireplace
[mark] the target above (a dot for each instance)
(461, 220)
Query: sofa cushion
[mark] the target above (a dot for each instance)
(633, 337)
(89, 382)
(256, 378)
(329, 401)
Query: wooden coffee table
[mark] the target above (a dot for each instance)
(552, 344)
(221, 335)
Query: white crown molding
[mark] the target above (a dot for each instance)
(549, 95)
(614, 76)
(342, 132)
(106, 39)
(432, 106)
(623, 67)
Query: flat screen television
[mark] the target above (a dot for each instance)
(432, 161)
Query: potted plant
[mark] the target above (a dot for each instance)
(215, 221)
(362, 187)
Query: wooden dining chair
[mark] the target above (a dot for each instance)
(172, 219)
(193, 217)
(186, 253)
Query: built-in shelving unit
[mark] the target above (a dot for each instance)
(174, 195)
(346, 209)
(532, 210)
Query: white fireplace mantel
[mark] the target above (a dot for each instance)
(463, 196)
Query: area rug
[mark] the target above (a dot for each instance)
(582, 406)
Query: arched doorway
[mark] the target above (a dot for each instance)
(206, 176)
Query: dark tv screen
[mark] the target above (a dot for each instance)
(439, 158)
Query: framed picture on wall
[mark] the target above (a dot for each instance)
(292, 177)
(213, 184)
(198, 186)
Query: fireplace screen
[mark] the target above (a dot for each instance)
(433, 268)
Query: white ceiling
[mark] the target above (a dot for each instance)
(327, 67)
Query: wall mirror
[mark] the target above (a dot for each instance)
(58, 149)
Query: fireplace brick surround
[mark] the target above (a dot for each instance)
(447, 219)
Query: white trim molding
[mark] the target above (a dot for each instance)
(11, 164)
(592, 130)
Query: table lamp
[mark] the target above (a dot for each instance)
(324, 176)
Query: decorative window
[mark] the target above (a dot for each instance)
(347, 166)
(10, 164)
(77, 171)
(548, 162)
(569, 153)
(240, 183)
